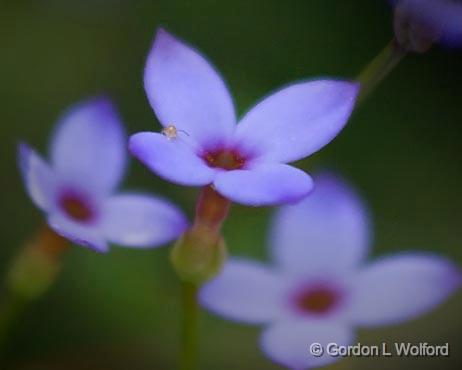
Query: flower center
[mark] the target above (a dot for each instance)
(225, 159)
(76, 207)
(316, 300)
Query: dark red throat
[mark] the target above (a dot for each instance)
(318, 300)
(76, 208)
(224, 159)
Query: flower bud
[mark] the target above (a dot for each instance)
(32, 274)
(199, 255)
(35, 268)
(413, 32)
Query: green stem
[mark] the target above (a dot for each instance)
(197, 257)
(379, 68)
(189, 345)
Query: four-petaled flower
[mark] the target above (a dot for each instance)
(245, 162)
(88, 156)
(420, 23)
(319, 288)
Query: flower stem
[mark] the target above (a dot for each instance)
(379, 68)
(189, 345)
(30, 274)
(211, 209)
(197, 257)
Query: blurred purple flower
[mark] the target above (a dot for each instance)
(88, 158)
(320, 288)
(419, 23)
(203, 145)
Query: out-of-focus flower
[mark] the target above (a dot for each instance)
(76, 191)
(420, 23)
(201, 143)
(320, 289)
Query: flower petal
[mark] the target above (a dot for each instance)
(245, 291)
(288, 343)
(187, 92)
(327, 231)
(90, 143)
(297, 120)
(265, 184)
(39, 179)
(400, 288)
(170, 159)
(136, 220)
(86, 236)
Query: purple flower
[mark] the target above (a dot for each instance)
(201, 143)
(319, 288)
(76, 191)
(419, 23)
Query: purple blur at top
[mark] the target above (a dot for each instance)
(76, 191)
(419, 22)
(320, 288)
(202, 143)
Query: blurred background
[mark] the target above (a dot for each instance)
(401, 150)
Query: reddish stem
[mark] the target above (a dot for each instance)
(50, 243)
(211, 210)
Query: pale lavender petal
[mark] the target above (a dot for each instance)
(136, 220)
(245, 291)
(83, 235)
(90, 143)
(288, 343)
(297, 120)
(265, 184)
(402, 287)
(171, 159)
(187, 92)
(38, 177)
(327, 231)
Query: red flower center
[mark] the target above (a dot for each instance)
(317, 300)
(225, 159)
(76, 207)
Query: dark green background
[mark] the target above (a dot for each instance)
(401, 149)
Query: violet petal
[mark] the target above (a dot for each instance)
(89, 143)
(83, 235)
(186, 91)
(297, 120)
(141, 221)
(171, 159)
(288, 343)
(245, 291)
(327, 231)
(264, 185)
(403, 287)
(38, 177)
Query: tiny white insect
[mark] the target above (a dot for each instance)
(171, 132)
